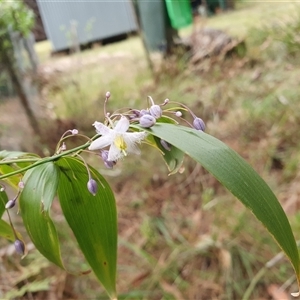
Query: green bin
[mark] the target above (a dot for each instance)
(153, 22)
(180, 13)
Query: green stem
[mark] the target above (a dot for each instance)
(45, 160)
(8, 162)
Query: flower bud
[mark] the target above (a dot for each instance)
(178, 114)
(20, 247)
(135, 114)
(108, 163)
(63, 147)
(166, 145)
(199, 124)
(104, 155)
(10, 204)
(155, 111)
(107, 95)
(147, 121)
(74, 131)
(92, 186)
(21, 184)
(144, 112)
(166, 101)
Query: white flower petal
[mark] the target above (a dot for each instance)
(134, 137)
(102, 142)
(131, 138)
(133, 148)
(114, 153)
(122, 125)
(101, 128)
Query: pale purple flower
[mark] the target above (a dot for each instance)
(92, 186)
(155, 111)
(104, 156)
(144, 112)
(147, 121)
(199, 124)
(120, 141)
(20, 247)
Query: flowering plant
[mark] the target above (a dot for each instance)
(88, 202)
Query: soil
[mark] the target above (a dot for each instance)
(14, 126)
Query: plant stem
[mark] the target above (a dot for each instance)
(45, 160)
(8, 162)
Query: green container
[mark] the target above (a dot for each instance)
(180, 13)
(153, 22)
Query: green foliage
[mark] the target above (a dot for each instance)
(35, 202)
(93, 219)
(174, 252)
(239, 178)
(3, 200)
(6, 231)
(278, 38)
(15, 15)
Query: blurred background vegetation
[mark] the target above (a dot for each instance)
(181, 236)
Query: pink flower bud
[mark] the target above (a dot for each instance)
(107, 95)
(166, 101)
(21, 184)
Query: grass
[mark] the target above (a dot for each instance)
(184, 236)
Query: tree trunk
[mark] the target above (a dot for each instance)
(8, 63)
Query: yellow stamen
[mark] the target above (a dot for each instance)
(120, 144)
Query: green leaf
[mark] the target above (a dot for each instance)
(11, 167)
(3, 200)
(166, 119)
(238, 177)
(12, 180)
(173, 158)
(93, 219)
(4, 154)
(6, 231)
(35, 201)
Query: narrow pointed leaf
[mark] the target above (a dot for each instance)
(3, 200)
(93, 219)
(238, 177)
(6, 231)
(35, 201)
